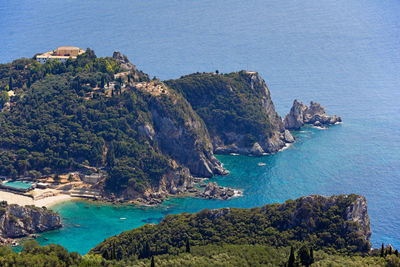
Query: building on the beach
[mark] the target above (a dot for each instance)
(92, 178)
(61, 54)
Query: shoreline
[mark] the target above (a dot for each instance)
(47, 202)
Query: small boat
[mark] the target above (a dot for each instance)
(122, 218)
(261, 164)
(46, 239)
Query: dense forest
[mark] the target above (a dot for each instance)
(318, 221)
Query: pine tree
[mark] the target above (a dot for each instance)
(152, 262)
(187, 245)
(382, 250)
(291, 258)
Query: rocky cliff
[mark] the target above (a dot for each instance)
(127, 66)
(18, 221)
(181, 134)
(315, 114)
(237, 110)
(354, 215)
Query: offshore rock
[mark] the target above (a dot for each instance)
(214, 191)
(17, 221)
(301, 114)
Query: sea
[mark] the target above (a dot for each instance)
(344, 54)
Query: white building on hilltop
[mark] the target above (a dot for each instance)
(61, 54)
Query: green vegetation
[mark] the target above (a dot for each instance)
(33, 255)
(320, 224)
(208, 255)
(61, 123)
(228, 104)
(260, 255)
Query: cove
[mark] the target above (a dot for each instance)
(305, 168)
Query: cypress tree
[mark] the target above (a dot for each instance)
(304, 255)
(396, 252)
(28, 83)
(152, 262)
(129, 78)
(311, 256)
(390, 250)
(102, 82)
(187, 245)
(382, 250)
(291, 258)
(10, 84)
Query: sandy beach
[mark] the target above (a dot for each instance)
(12, 198)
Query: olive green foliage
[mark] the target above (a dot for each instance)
(56, 125)
(275, 225)
(33, 255)
(227, 103)
(258, 255)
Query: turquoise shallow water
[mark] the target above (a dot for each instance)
(344, 54)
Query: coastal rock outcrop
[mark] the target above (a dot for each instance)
(17, 221)
(237, 109)
(315, 114)
(214, 191)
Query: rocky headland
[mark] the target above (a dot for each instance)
(336, 222)
(237, 110)
(315, 114)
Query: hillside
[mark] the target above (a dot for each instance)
(340, 223)
(101, 113)
(237, 109)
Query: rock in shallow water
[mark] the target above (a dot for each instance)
(301, 114)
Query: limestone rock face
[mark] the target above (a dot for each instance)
(18, 221)
(184, 138)
(315, 114)
(358, 212)
(355, 216)
(126, 65)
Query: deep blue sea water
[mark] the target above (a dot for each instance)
(344, 54)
